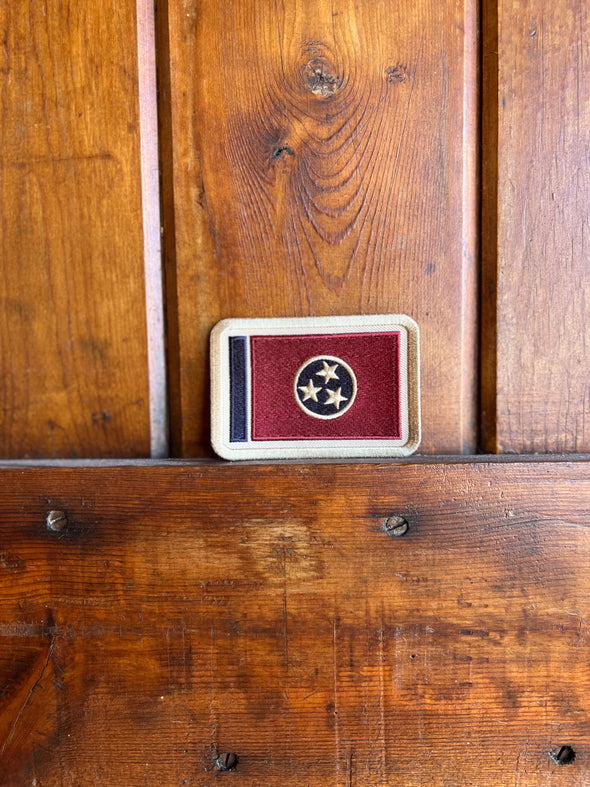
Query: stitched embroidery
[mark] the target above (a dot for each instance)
(315, 387)
(325, 387)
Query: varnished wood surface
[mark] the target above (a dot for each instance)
(536, 195)
(74, 377)
(189, 611)
(318, 158)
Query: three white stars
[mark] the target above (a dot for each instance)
(310, 391)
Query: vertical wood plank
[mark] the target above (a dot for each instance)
(321, 162)
(74, 376)
(536, 375)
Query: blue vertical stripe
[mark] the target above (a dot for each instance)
(238, 374)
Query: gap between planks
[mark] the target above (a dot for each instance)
(150, 198)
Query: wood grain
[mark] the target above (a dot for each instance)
(319, 159)
(190, 611)
(536, 217)
(74, 378)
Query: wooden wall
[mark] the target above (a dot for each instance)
(161, 623)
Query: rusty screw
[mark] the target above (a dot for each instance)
(396, 526)
(226, 761)
(56, 521)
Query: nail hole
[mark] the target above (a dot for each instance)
(562, 755)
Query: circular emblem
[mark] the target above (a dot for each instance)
(325, 387)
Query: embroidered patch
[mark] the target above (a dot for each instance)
(307, 387)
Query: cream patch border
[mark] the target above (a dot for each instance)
(333, 448)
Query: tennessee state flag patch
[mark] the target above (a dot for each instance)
(315, 387)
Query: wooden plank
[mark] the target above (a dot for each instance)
(189, 611)
(536, 197)
(74, 376)
(319, 159)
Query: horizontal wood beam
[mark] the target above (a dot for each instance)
(174, 615)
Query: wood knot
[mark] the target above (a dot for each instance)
(396, 73)
(279, 151)
(320, 80)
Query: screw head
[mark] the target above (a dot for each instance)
(56, 521)
(226, 761)
(396, 526)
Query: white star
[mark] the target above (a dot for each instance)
(310, 391)
(335, 397)
(328, 372)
